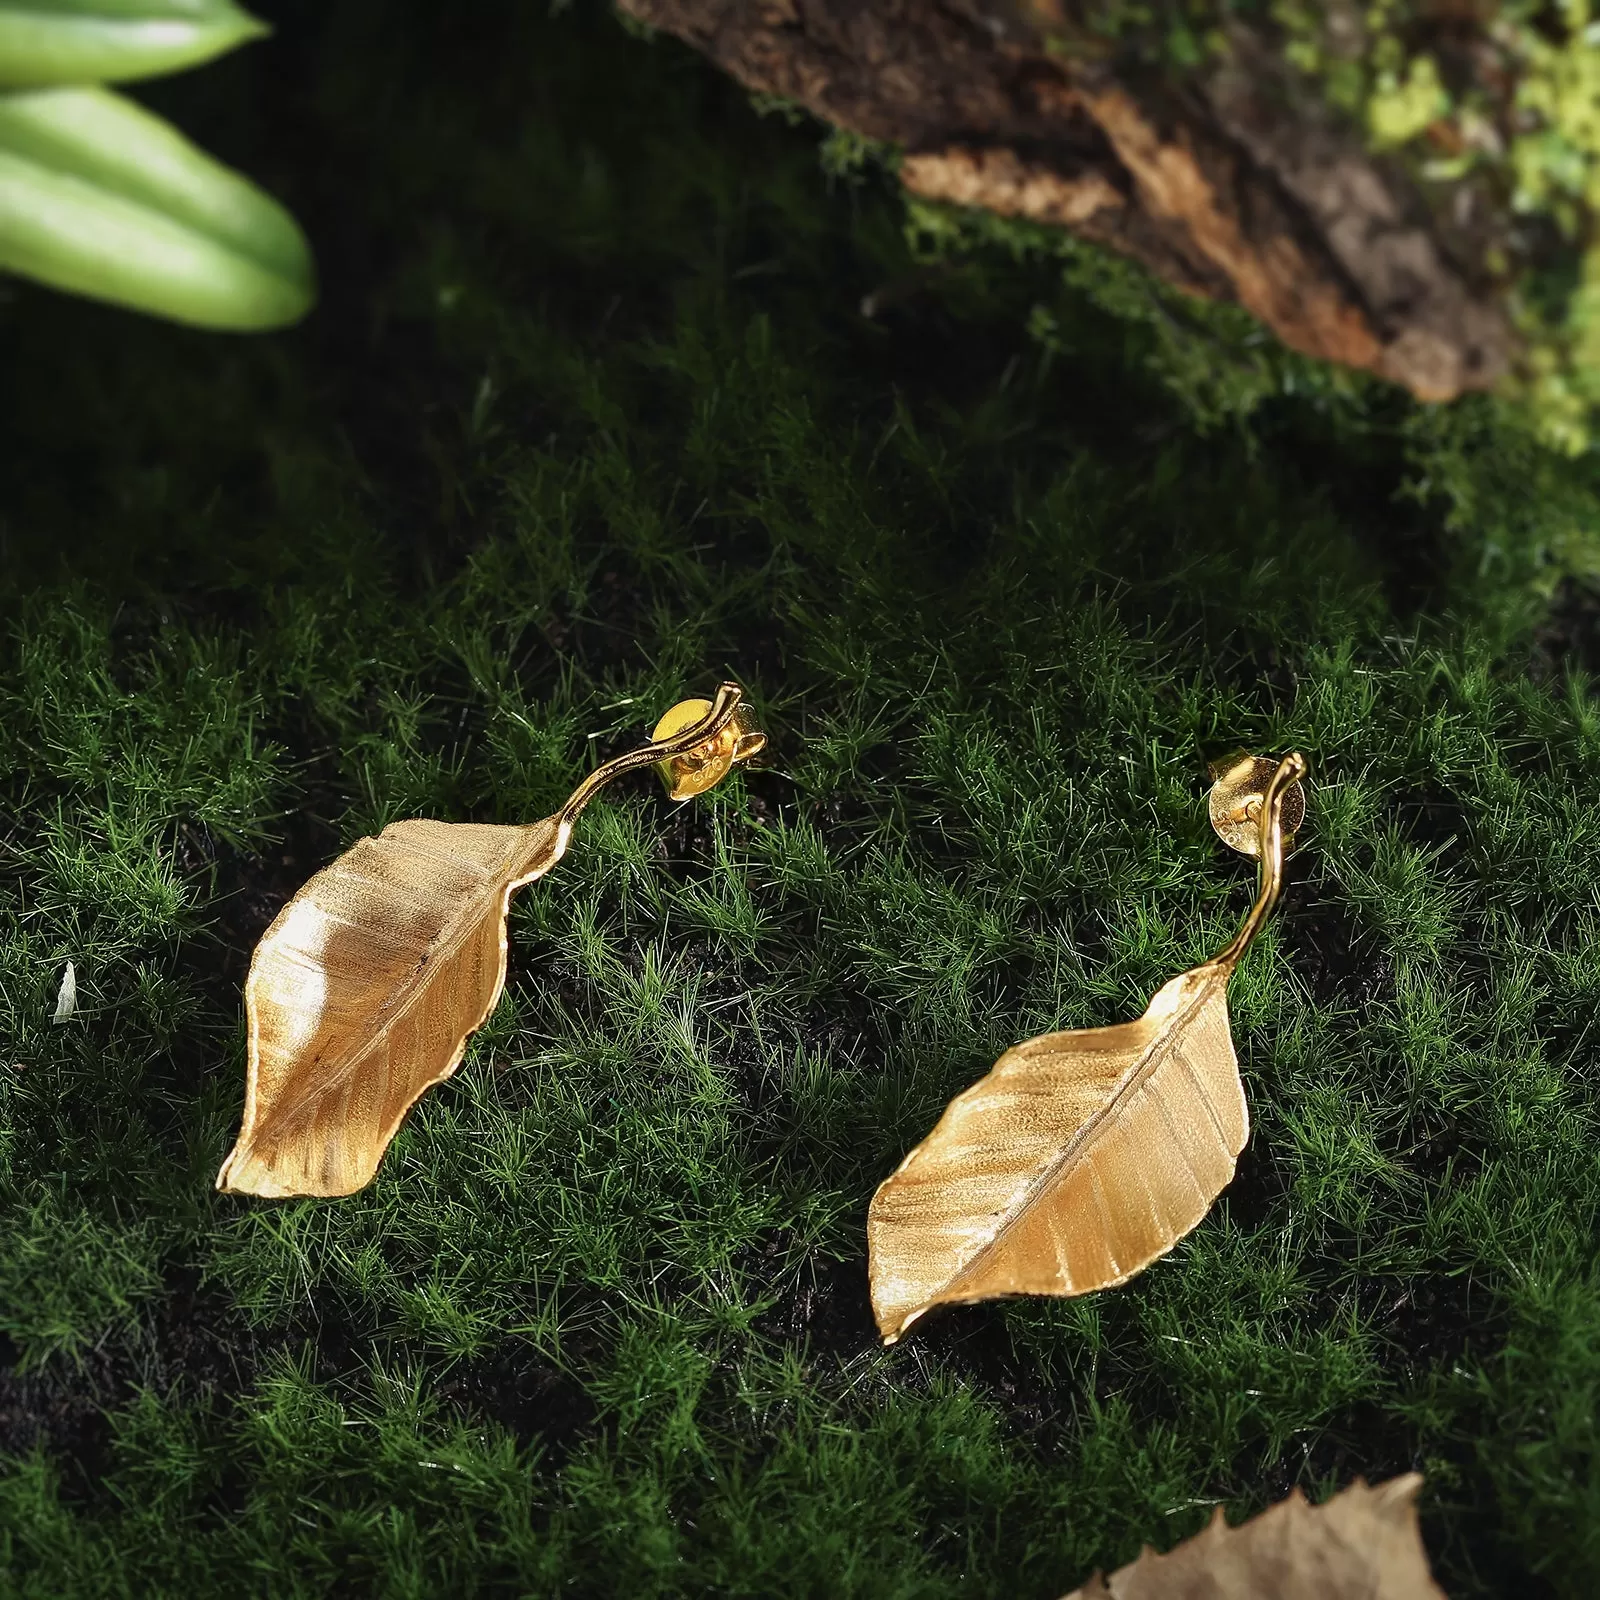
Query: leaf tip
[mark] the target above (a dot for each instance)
(227, 1174)
(253, 27)
(245, 1172)
(233, 27)
(894, 1322)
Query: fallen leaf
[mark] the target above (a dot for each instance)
(363, 992)
(1363, 1544)
(1082, 1156)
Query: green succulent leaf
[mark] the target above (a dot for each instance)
(49, 42)
(102, 198)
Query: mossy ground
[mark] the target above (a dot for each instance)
(590, 418)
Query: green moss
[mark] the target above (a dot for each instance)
(1401, 108)
(1216, 360)
(1504, 105)
(1535, 146)
(592, 418)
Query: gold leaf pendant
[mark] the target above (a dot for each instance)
(1081, 1157)
(363, 992)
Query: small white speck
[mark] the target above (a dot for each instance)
(67, 995)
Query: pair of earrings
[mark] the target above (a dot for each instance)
(1078, 1160)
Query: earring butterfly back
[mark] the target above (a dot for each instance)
(705, 765)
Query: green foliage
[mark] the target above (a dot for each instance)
(1217, 360)
(49, 43)
(612, 428)
(101, 198)
(1491, 110)
(1525, 517)
(1520, 126)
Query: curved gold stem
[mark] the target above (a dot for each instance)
(1290, 771)
(707, 728)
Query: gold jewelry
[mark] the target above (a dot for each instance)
(1081, 1157)
(363, 992)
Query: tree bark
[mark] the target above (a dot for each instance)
(1232, 181)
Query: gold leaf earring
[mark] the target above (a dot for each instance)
(1081, 1157)
(363, 992)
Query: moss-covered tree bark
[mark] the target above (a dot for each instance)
(1359, 179)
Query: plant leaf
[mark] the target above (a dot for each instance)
(1363, 1544)
(101, 198)
(1081, 1156)
(46, 43)
(1072, 1165)
(364, 990)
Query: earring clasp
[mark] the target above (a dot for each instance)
(1240, 783)
(706, 765)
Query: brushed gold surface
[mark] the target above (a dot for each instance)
(365, 989)
(1082, 1156)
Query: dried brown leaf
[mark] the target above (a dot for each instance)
(1363, 1544)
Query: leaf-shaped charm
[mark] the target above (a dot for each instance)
(1077, 1161)
(1083, 1156)
(363, 992)
(1363, 1544)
